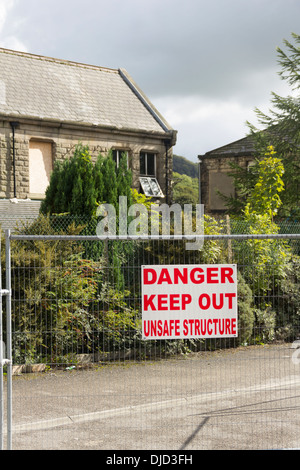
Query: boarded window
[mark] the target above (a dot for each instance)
(40, 167)
(219, 181)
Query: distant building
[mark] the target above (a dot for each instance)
(214, 169)
(48, 105)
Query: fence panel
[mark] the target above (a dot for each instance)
(84, 378)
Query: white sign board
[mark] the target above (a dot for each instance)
(189, 301)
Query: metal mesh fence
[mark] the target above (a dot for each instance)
(61, 224)
(84, 378)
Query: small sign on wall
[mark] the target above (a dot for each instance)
(189, 301)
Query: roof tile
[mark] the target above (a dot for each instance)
(46, 88)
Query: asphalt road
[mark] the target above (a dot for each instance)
(247, 398)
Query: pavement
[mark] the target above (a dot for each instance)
(235, 399)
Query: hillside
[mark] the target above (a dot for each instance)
(185, 181)
(183, 166)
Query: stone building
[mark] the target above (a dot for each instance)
(214, 169)
(48, 106)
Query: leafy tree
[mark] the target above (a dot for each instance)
(185, 189)
(282, 125)
(269, 256)
(68, 305)
(246, 316)
(281, 129)
(264, 198)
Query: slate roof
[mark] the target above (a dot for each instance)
(14, 214)
(241, 147)
(45, 88)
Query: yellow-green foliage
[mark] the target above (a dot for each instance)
(264, 198)
(185, 189)
(63, 302)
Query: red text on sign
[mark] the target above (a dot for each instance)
(159, 328)
(166, 301)
(217, 301)
(198, 275)
(209, 327)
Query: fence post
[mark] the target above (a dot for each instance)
(1, 358)
(8, 339)
(8, 359)
(229, 246)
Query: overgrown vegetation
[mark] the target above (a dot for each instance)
(79, 297)
(67, 304)
(267, 192)
(185, 189)
(280, 129)
(77, 186)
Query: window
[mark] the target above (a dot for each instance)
(147, 164)
(151, 187)
(40, 167)
(249, 164)
(148, 181)
(219, 182)
(117, 155)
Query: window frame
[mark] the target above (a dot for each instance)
(118, 153)
(146, 155)
(148, 182)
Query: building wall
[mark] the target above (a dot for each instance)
(64, 139)
(214, 178)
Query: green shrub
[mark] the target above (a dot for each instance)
(63, 303)
(246, 315)
(265, 322)
(77, 185)
(287, 302)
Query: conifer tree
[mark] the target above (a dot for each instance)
(51, 200)
(281, 130)
(77, 185)
(110, 192)
(98, 178)
(72, 186)
(282, 125)
(82, 200)
(124, 180)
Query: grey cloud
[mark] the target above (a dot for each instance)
(217, 50)
(209, 48)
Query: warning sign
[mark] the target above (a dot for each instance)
(189, 301)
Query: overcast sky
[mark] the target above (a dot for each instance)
(205, 65)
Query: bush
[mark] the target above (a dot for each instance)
(287, 302)
(77, 186)
(63, 303)
(246, 315)
(265, 322)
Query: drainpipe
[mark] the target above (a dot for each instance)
(199, 180)
(14, 125)
(167, 171)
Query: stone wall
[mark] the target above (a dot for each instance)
(64, 140)
(214, 178)
(6, 163)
